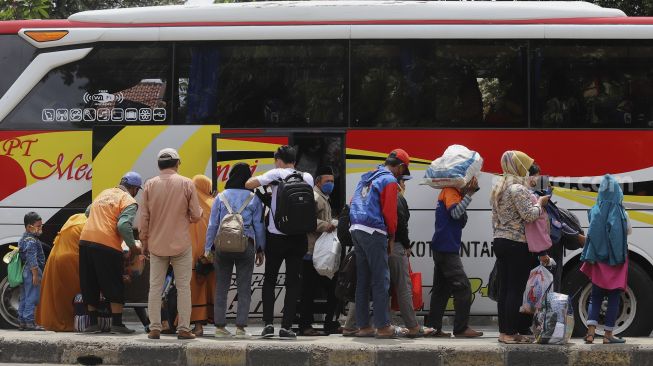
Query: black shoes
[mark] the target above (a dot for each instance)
(268, 331)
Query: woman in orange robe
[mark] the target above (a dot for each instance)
(60, 281)
(202, 287)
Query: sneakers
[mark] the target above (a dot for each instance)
(121, 329)
(268, 331)
(93, 329)
(222, 333)
(287, 334)
(241, 333)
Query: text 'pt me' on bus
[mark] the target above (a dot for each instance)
(87, 98)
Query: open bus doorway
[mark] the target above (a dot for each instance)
(315, 150)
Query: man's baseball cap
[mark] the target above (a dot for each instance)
(168, 154)
(399, 156)
(133, 179)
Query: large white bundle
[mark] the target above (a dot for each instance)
(455, 168)
(326, 255)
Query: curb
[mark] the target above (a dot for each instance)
(303, 353)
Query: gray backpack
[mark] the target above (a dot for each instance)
(231, 236)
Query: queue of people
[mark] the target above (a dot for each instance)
(183, 227)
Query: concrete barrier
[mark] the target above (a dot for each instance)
(67, 348)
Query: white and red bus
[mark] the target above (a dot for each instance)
(86, 99)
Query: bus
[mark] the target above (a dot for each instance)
(90, 97)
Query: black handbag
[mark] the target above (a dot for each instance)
(493, 284)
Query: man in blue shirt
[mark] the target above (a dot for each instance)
(31, 254)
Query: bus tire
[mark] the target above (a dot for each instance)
(635, 318)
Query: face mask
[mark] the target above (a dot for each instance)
(327, 188)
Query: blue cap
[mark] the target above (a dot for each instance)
(133, 179)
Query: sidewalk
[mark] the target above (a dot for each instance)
(55, 348)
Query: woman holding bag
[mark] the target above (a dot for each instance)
(512, 208)
(605, 257)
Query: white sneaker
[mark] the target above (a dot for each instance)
(222, 333)
(241, 333)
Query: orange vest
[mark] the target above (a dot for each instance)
(102, 224)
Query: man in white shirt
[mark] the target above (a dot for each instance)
(281, 247)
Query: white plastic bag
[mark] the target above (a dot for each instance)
(326, 255)
(538, 283)
(457, 166)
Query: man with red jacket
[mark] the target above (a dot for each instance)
(373, 216)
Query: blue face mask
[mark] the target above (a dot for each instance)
(327, 188)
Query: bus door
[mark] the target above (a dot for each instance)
(316, 150)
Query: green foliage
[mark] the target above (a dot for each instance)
(24, 9)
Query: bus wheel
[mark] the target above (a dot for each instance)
(634, 318)
(8, 305)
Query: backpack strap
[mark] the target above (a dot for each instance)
(247, 201)
(223, 199)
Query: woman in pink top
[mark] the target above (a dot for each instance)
(605, 257)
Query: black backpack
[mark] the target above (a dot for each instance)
(344, 223)
(295, 212)
(345, 290)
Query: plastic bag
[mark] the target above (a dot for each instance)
(326, 255)
(538, 283)
(554, 322)
(457, 166)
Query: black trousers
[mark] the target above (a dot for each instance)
(280, 248)
(514, 263)
(311, 282)
(449, 278)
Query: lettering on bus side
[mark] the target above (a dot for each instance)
(470, 249)
(44, 168)
(222, 170)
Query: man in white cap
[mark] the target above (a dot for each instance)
(170, 205)
(101, 266)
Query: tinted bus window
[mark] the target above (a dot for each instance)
(114, 84)
(439, 83)
(15, 55)
(593, 84)
(255, 84)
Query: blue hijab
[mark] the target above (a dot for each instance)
(606, 237)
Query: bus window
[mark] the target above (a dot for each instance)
(262, 84)
(438, 83)
(114, 84)
(592, 84)
(15, 55)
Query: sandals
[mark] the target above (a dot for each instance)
(517, 339)
(397, 332)
(422, 332)
(613, 340)
(589, 338)
(364, 334)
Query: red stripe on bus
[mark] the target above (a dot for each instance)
(13, 27)
(573, 153)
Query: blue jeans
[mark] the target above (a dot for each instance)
(596, 300)
(372, 272)
(29, 298)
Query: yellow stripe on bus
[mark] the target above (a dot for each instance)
(120, 154)
(197, 149)
(581, 197)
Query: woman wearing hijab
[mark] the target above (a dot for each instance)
(512, 208)
(237, 196)
(202, 285)
(605, 257)
(61, 278)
